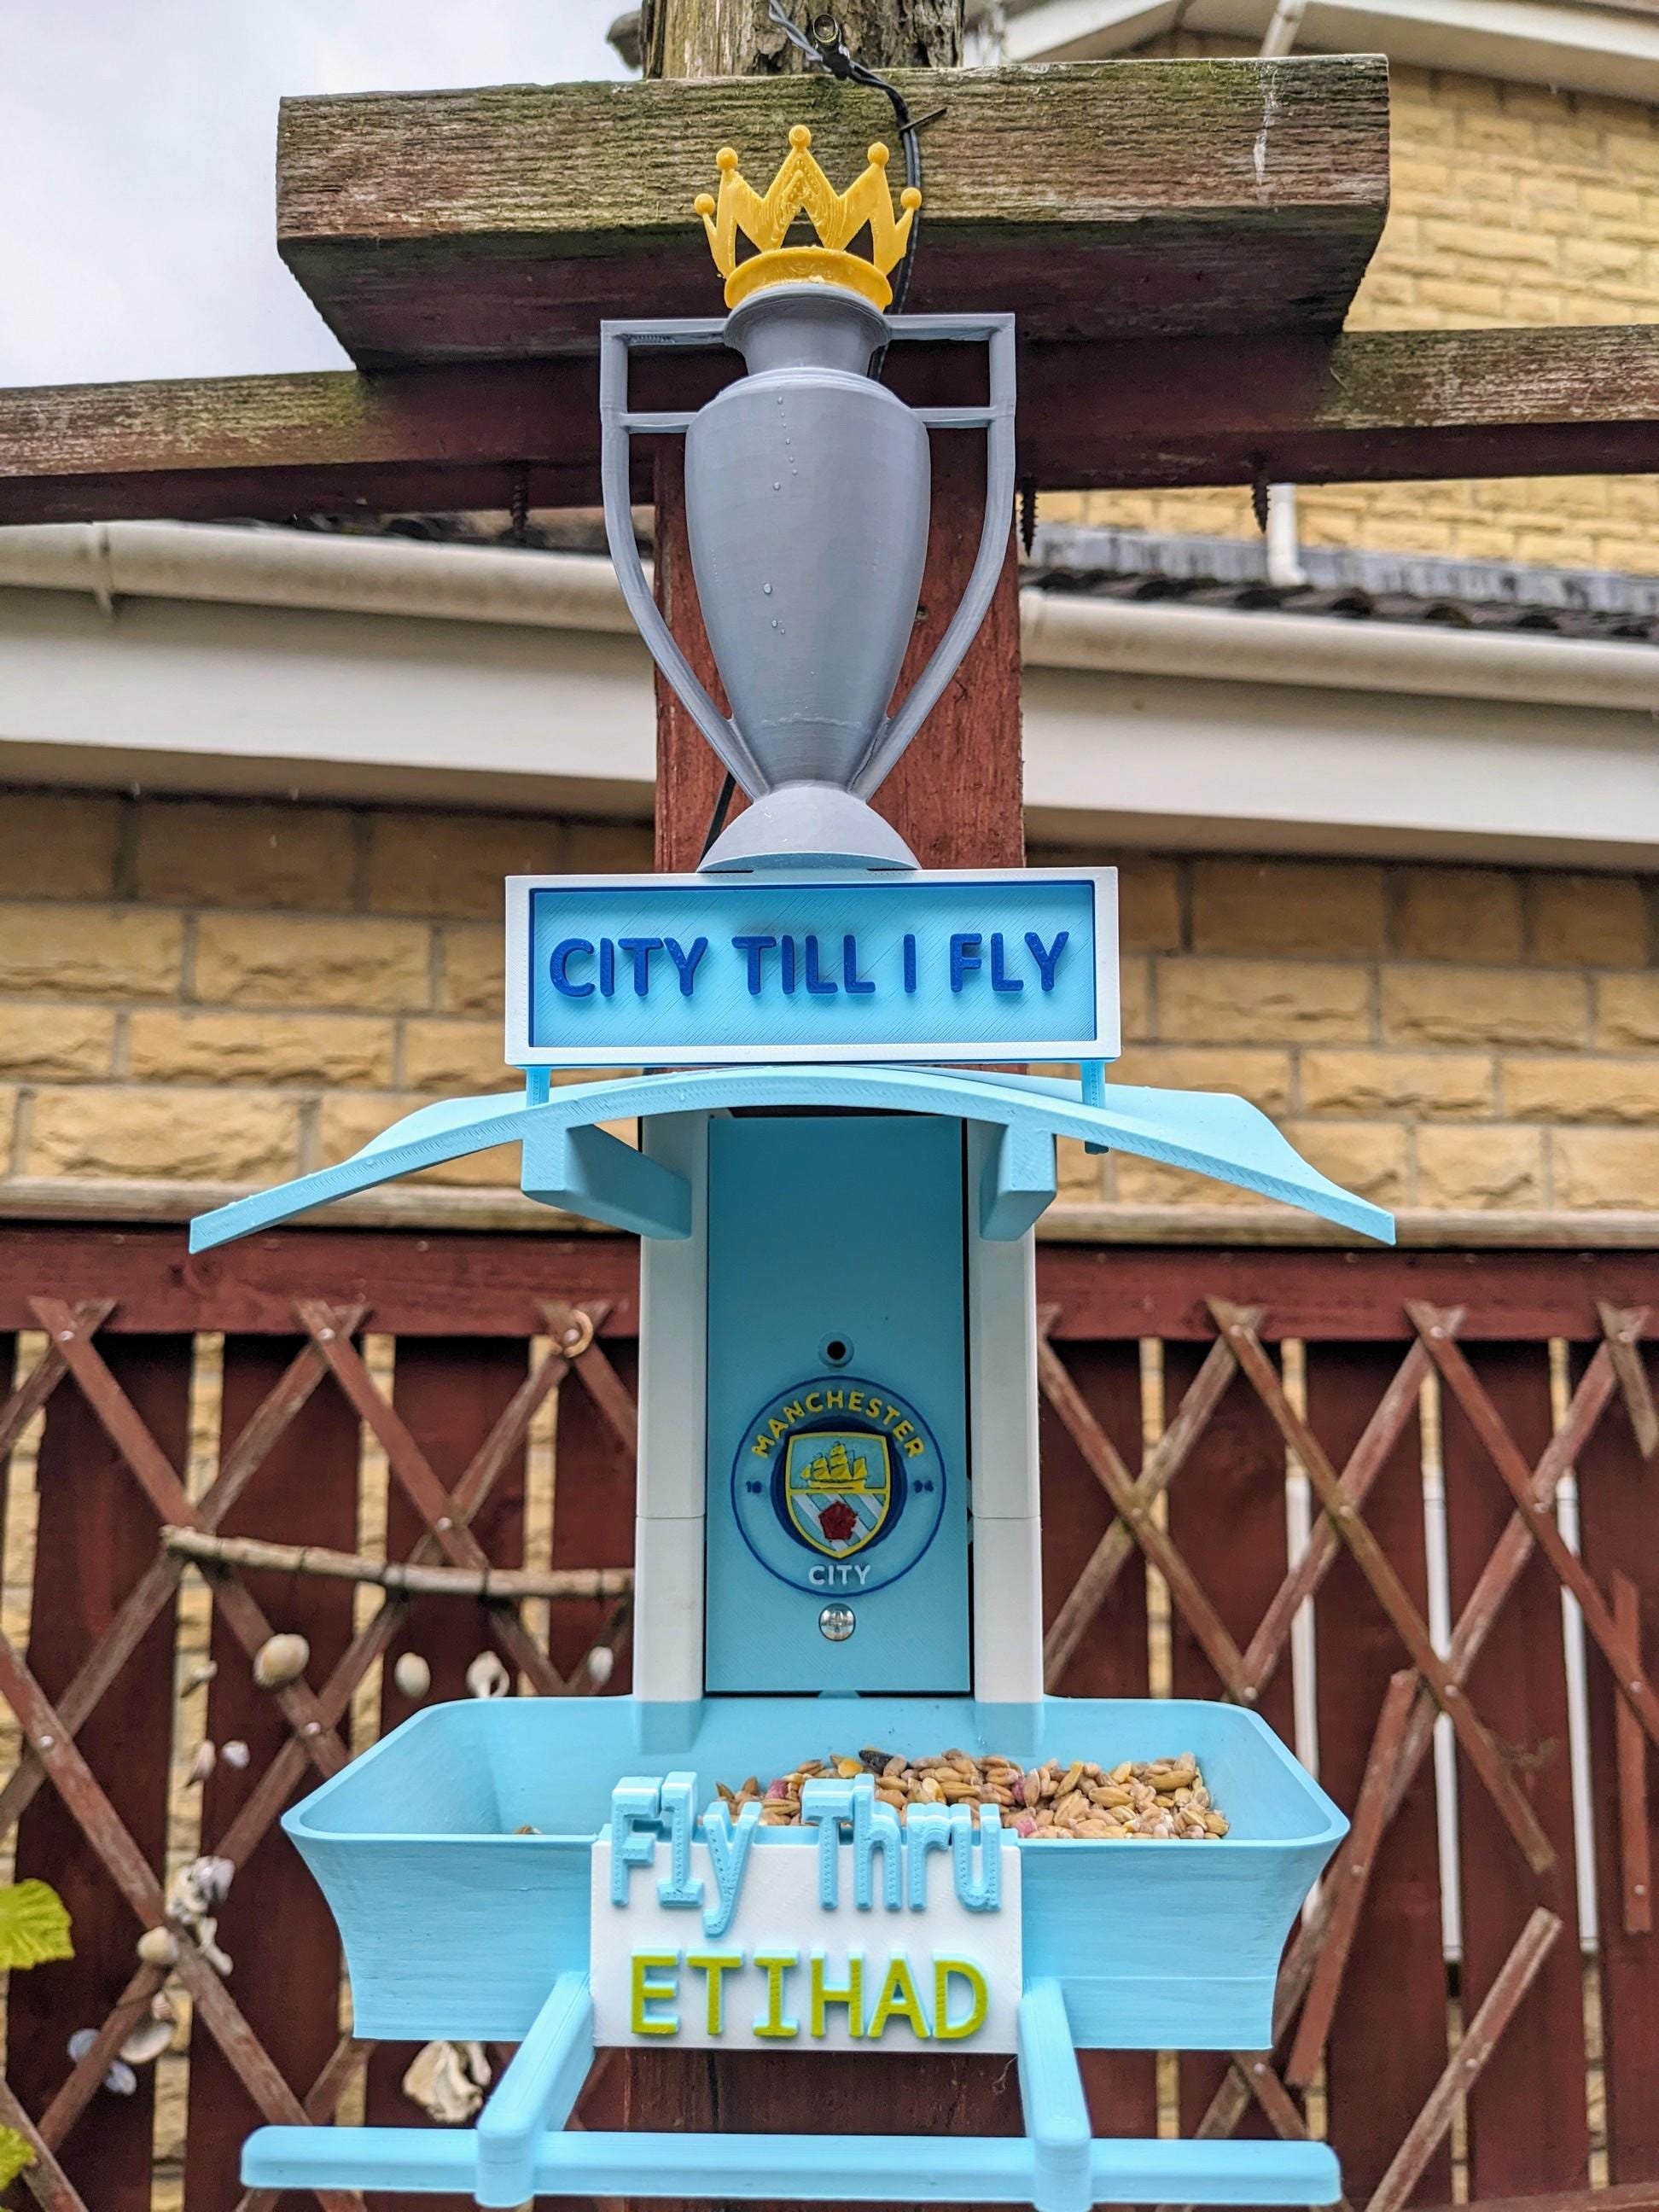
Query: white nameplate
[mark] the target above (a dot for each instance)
(787, 1970)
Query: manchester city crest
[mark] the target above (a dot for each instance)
(838, 1485)
(837, 1488)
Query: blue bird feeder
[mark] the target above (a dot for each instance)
(838, 1506)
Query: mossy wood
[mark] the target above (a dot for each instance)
(1128, 197)
(1371, 406)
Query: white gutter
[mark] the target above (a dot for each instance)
(1585, 48)
(304, 568)
(579, 591)
(1326, 652)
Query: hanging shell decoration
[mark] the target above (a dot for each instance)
(152, 2034)
(281, 1660)
(235, 1753)
(158, 1947)
(601, 1665)
(447, 2081)
(206, 1758)
(120, 2081)
(198, 1676)
(486, 1677)
(191, 1895)
(412, 1676)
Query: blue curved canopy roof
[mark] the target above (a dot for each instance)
(1205, 1131)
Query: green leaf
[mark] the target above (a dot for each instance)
(33, 1925)
(15, 2153)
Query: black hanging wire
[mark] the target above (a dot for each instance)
(717, 819)
(824, 46)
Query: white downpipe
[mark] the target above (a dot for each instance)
(110, 562)
(1437, 1563)
(1284, 570)
(1578, 1748)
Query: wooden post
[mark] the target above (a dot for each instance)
(738, 38)
(955, 797)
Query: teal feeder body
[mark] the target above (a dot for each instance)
(791, 1246)
(838, 1525)
(455, 1926)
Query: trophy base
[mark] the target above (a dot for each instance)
(807, 825)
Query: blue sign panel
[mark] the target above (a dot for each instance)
(624, 971)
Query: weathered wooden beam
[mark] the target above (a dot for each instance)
(271, 446)
(1132, 196)
(1374, 406)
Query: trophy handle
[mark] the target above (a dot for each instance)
(617, 425)
(997, 420)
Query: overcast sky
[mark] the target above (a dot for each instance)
(136, 224)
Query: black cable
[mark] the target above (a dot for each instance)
(717, 819)
(830, 45)
(827, 47)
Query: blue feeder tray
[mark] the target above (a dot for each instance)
(457, 1927)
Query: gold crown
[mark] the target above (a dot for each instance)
(800, 187)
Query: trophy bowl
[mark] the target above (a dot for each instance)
(807, 492)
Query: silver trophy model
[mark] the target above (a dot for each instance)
(806, 500)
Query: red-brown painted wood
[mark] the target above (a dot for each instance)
(955, 795)
(461, 1283)
(1527, 2120)
(1378, 2083)
(592, 1518)
(1103, 414)
(1111, 1661)
(499, 1286)
(1320, 1296)
(470, 1283)
(450, 1391)
(1617, 1506)
(274, 1924)
(1227, 1519)
(94, 1538)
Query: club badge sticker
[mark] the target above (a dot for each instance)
(838, 1485)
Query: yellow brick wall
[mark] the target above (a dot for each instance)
(1510, 204)
(1448, 1038)
(236, 993)
(207, 991)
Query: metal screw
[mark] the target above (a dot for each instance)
(836, 1623)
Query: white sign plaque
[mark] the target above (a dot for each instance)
(789, 1972)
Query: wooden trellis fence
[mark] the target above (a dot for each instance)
(1185, 1392)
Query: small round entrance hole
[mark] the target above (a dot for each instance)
(836, 1351)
